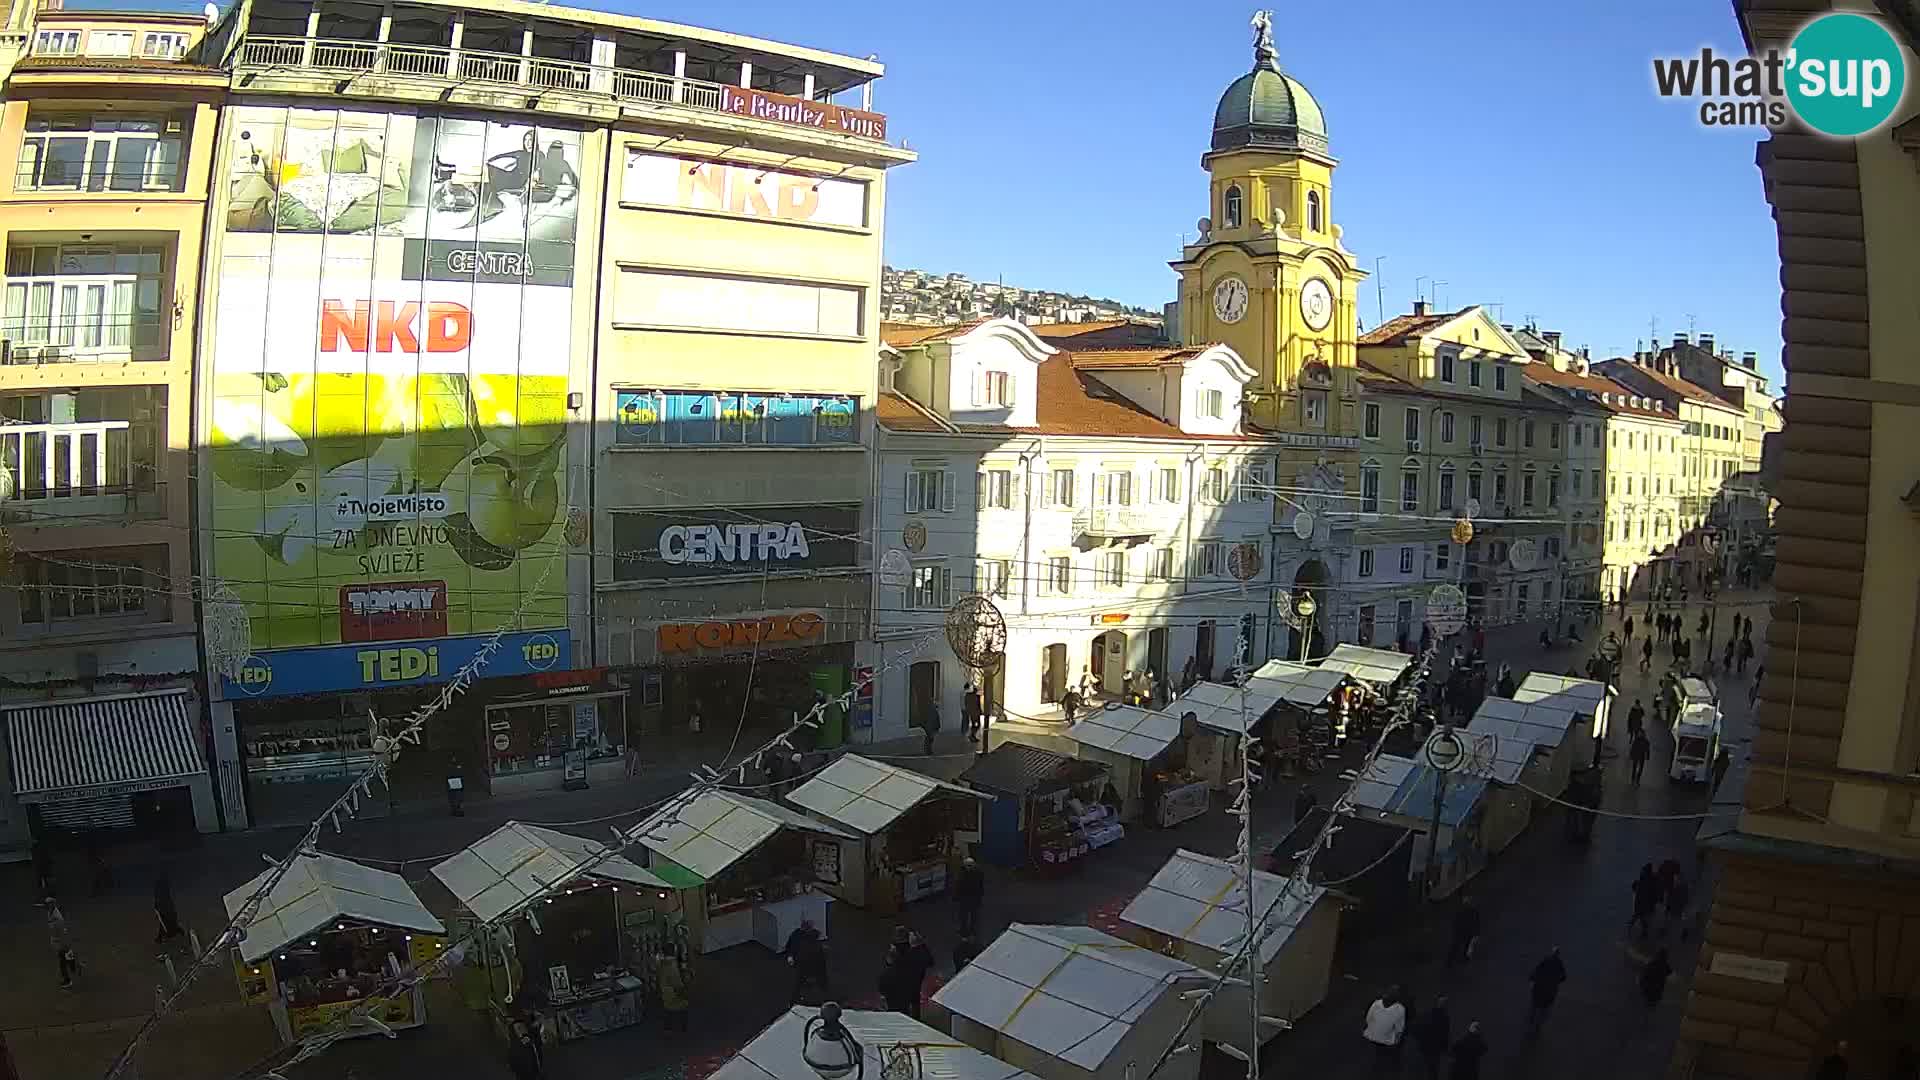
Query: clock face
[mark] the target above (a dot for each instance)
(1316, 303)
(1230, 300)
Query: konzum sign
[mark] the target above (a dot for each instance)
(774, 631)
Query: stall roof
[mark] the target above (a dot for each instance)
(1070, 992)
(516, 861)
(1543, 723)
(1127, 730)
(1199, 899)
(774, 1054)
(1497, 750)
(1298, 684)
(1584, 696)
(1218, 705)
(719, 828)
(1369, 665)
(1016, 768)
(1397, 785)
(320, 889)
(868, 795)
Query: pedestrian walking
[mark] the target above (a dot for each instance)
(670, 977)
(913, 960)
(969, 890)
(1834, 1066)
(1087, 685)
(807, 955)
(1753, 692)
(1646, 655)
(1721, 762)
(1647, 894)
(1506, 686)
(1678, 894)
(1432, 1035)
(894, 990)
(1637, 753)
(1070, 703)
(1467, 1054)
(633, 759)
(1702, 631)
(931, 728)
(1386, 1025)
(1726, 660)
(1636, 719)
(1745, 653)
(1466, 931)
(61, 938)
(523, 1056)
(964, 952)
(1746, 626)
(1653, 977)
(969, 712)
(164, 909)
(1629, 628)
(1547, 976)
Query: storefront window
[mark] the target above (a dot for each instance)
(537, 734)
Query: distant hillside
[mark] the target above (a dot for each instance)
(921, 296)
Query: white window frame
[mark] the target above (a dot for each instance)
(1446, 426)
(56, 43)
(160, 45)
(1446, 367)
(1499, 375)
(109, 43)
(1370, 488)
(103, 310)
(1442, 555)
(1366, 562)
(991, 577)
(994, 490)
(993, 389)
(1113, 568)
(1446, 491)
(1370, 420)
(1409, 489)
(1160, 564)
(116, 152)
(1214, 486)
(1060, 485)
(1211, 404)
(929, 490)
(87, 581)
(1166, 484)
(1313, 407)
(1412, 425)
(1406, 560)
(930, 588)
(1209, 559)
(1113, 487)
(1057, 580)
(1476, 482)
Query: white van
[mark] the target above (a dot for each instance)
(1696, 741)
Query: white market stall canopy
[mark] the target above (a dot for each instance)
(1218, 705)
(1298, 684)
(718, 829)
(1402, 787)
(868, 795)
(1543, 723)
(1583, 696)
(774, 1054)
(320, 890)
(1128, 731)
(1199, 899)
(1070, 992)
(1377, 666)
(516, 861)
(1496, 750)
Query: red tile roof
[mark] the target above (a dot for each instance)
(1103, 334)
(1074, 403)
(896, 413)
(1677, 386)
(1397, 330)
(1129, 358)
(1545, 375)
(906, 335)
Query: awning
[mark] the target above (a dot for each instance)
(1127, 730)
(1218, 706)
(868, 795)
(1378, 666)
(320, 890)
(516, 861)
(1200, 899)
(1298, 684)
(718, 829)
(103, 746)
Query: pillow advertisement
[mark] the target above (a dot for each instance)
(388, 399)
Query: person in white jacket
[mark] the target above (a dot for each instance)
(1386, 1025)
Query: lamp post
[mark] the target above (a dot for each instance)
(1306, 606)
(829, 1049)
(1444, 753)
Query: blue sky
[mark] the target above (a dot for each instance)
(1515, 150)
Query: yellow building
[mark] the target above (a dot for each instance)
(1447, 419)
(1813, 933)
(112, 126)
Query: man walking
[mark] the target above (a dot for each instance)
(1647, 894)
(1432, 1035)
(1637, 753)
(1629, 629)
(968, 892)
(1547, 976)
(1745, 654)
(1636, 718)
(931, 729)
(1467, 1054)
(808, 957)
(61, 937)
(1466, 931)
(1646, 655)
(969, 712)
(1753, 692)
(1386, 1024)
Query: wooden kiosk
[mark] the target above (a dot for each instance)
(1145, 751)
(904, 825)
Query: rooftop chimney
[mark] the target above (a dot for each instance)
(1679, 340)
(1706, 342)
(1419, 307)
(1552, 338)
(1751, 359)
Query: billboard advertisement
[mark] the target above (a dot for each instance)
(388, 398)
(670, 545)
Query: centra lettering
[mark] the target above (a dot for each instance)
(398, 665)
(733, 543)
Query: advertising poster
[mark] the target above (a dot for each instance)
(388, 397)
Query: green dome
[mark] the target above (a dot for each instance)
(1267, 109)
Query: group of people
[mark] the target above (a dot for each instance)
(1656, 889)
(1388, 1028)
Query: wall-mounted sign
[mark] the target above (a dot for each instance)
(734, 418)
(1111, 618)
(1753, 968)
(766, 631)
(781, 109)
(379, 665)
(914, 536)
(663, 545)
(742, 190)
(895, 570)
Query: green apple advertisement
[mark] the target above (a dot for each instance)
(388, 402)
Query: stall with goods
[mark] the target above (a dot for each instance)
(903, 824)
(1300, 731)
(1037, 798)
(1223, 716)
(1145, 751)
(1529, 751)
(1370, 867)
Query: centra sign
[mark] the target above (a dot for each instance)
(733, 543)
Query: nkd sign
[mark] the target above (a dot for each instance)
(665, 545)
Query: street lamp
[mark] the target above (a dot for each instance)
(828, 1048)
(1445, 752)
(1306, 606)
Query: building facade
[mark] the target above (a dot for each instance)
(1812, 935)
(1107, 501)
(113, 130)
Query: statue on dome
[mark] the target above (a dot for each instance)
(1263, 52)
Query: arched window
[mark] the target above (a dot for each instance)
(1313, 211)
(1474, 477)
(1446, 485)
(1230, 206)
(1410, 485)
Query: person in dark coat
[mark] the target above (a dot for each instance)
(969, 890)
(1432, 1034)
(1638, 751)
(1648, 891)
(1653, 977)
(932, 728)
(1466, 930)
(1467, 1054)
(964, 951)
(912, 960)
(1646, 655)
(1547, 976)
(808, 957)
(1506, 686)
(164, 909)
(899, 995)
(1834, 1066)
(523, 1057)
(1628, 628)
(1677, 896)
(970, 712)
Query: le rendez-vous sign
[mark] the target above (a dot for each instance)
(780, 108)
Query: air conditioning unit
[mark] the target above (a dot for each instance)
(1413, 446)
(1474, 449)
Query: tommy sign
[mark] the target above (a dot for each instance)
(660, 545)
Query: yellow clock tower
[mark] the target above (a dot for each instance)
(1268, 275)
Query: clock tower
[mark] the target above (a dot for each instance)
(1268, 275)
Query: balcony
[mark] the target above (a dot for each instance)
(261, 54)
(74, 474)
(1119, 522)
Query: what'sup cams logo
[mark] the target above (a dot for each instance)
(1842, 75)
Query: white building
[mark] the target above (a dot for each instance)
(1105, 500)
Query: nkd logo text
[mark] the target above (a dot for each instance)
(1843, 75)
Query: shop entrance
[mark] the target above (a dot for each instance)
(1053, 673)
(1157, 654)
(162, 819)
(923, 690)
(1203, 650)
(1109, 659)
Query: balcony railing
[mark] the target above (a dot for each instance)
(49, 339)
(1117, 521)
(504, 69)
(69, 472)
(39, 174)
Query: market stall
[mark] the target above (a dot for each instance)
(330, 933)
(904, 824)
(753, 862)
(1378, 668)
(1037, 796)
(882, 1037)
(1400, 792)
(1146, 755)
(1586, 698)
(1548, 724)
(1223, 715)
(1071, 1003)
(1306, 700)
(581, 961)
(1502, 753)
(1195, 909)
(1369, 869)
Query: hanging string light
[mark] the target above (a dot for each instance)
(229, 631)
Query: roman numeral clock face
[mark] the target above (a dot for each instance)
(1230, 299)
